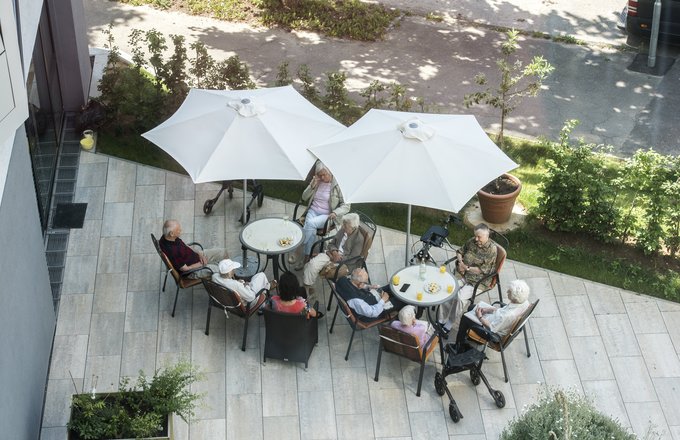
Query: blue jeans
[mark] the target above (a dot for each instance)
(313, 221)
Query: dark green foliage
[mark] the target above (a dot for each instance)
(336, 18)
(564, 416)
(576, 196)
(136, 411)
(230, 74)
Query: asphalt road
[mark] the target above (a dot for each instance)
(438, 61)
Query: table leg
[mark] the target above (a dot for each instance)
(275, 265)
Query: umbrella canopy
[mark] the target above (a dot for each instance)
(433, 160)
(244, 134)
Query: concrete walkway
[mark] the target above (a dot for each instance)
(438, 61)
(616, 347)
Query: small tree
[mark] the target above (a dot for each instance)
(516, 82)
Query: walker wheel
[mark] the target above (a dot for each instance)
(439, 384)
(474, 377)
(499, 398)
(208, 206)
(454, 413)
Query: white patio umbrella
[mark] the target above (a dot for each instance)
(244, 134)
(433, 160)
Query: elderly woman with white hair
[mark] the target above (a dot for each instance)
(408, 323)
(325, 202)
(497, 319)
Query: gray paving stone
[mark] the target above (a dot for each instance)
(541, 289)
(85, 241)
(182, 211)
(213, 404)
(591, 358)
(141, 312)
(106, 334)
(120, 184)
(143, 275)
(243, 371)
(647, 418)
(645, 317)
(523, 369)
(208, 351)
(390, 417)
(150, 176)
(605, 299)
(468, 402)
(550, 338)
(524, 271)
(566, 285)
(317, 415)
(281, 427)
(142, 228)
(94, 197)
(351, 391)
(354, 426)
(75, 312)
(607, 399)
(208, 429)
(495, 420)
(117, 219)
(102, 373)
(149, 201)
(58, 401)
(428, 401)
(672, 321)
(91, 174)
(279, 391)
(668, 390)
(428, 425)
(318, 376)
(526, 394)
(79, 275)
(114, 255)
(244, 416)
(209, 231)
(659, 355)
(68, 356)
(110, 293)
(577, 316)
(178, 187)
(562, 374)
(618, 336)
(56, 433)
(90, 157)
(139, 353)
(633, 379)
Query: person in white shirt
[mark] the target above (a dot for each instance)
(246, 291)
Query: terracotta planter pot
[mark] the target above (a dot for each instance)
(498, 208)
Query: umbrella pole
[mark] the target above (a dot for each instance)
(408, 234)
(245, 207)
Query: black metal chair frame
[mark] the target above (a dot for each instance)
(413, 345)
(351, 318)
(233, 305)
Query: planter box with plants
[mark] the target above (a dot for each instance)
(143, 410)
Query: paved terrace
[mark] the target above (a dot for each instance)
(615, 346)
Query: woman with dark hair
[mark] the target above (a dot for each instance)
(291, 297)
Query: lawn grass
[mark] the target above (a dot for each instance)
(532, 244)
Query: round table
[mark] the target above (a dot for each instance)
(411, 275)
(264, 236)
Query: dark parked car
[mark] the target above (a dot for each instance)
(639, 18)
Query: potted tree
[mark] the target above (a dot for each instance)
(497, 198)
(140, 410)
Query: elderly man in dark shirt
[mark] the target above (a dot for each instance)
(183, 257)
(354, 289)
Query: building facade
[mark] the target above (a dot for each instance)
(44, 78)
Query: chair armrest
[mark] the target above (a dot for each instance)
(317, 247)
(195, 243)
(186, 273)
(295, 211)
(486, 333)
(476, 288)
(348, 261)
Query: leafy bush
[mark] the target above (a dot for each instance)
(563, 415)
(576, 196)
(136, 411)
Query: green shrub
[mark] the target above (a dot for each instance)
(561, 415)
(576, 195)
